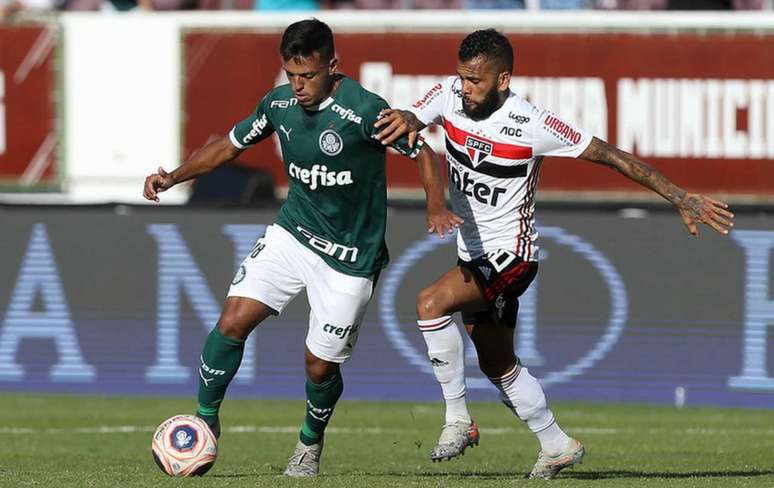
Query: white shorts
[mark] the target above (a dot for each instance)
(279, 268)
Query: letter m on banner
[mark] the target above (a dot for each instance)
(758, 310)
(178, 274)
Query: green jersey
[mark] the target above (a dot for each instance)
(337, 194)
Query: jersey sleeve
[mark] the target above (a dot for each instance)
(429, 108)
(555, 137)
(254, 128)
(401, 145)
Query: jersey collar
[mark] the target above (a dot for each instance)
(328, 101)
(322, 106)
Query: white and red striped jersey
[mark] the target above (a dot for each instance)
(494, 165)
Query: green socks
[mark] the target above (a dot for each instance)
(220, 361)
(320, 400)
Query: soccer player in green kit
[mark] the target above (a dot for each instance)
(329, 235)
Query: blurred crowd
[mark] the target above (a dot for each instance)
(8, 8)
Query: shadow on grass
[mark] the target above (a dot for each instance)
(582, 475)
(601, 475)
(486, 475)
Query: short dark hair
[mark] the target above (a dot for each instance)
(303, 38)
(491, 44)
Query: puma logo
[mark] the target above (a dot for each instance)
(286, 131)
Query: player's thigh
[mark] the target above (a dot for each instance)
(502, 277)
(338, 303)
(273, 272)
(455, 291)
(494, 346)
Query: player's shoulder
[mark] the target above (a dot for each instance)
(452, 83)
(279, 97)
(363, 102)
(449, 87)
(522, 114)
(522, 107)
(443, 90)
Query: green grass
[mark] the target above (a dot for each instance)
(50, 440)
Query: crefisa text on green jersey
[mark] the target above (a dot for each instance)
(319, 176)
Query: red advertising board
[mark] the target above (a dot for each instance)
(27, 107)
(698, 107)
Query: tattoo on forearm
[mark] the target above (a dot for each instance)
(412, 120)
(637, 170)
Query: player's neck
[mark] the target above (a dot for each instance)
(327, 94)
(334, 84)
(501, 98)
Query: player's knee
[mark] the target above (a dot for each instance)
(230, 325)
(319, 370)
(430, 304)
(494, 367)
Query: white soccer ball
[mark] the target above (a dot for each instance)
(184, 446)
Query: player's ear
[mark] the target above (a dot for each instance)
(503, 81)
(333, 65)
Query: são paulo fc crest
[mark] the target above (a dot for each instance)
(330, 142)
(477, 150)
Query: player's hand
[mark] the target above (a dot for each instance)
(695, 208)
(157, 183)
(395, 124)
(441, 221)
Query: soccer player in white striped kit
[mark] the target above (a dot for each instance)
(495, 143)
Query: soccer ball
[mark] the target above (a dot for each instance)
(184, 446)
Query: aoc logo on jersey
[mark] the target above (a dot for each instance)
(477, 149)
(330, 142)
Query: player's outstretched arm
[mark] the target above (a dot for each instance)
(439, 219)
(694, 208)
(394, 124)
(202, 161)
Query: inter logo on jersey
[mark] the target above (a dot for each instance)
(477, 149)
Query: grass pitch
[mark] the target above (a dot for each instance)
(77, 441)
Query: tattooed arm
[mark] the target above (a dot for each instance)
(693, 208)
(394, 124)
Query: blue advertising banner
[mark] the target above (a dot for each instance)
(627, 307)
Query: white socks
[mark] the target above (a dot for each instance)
(519, 390)
(522, 393)
(446, 352)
